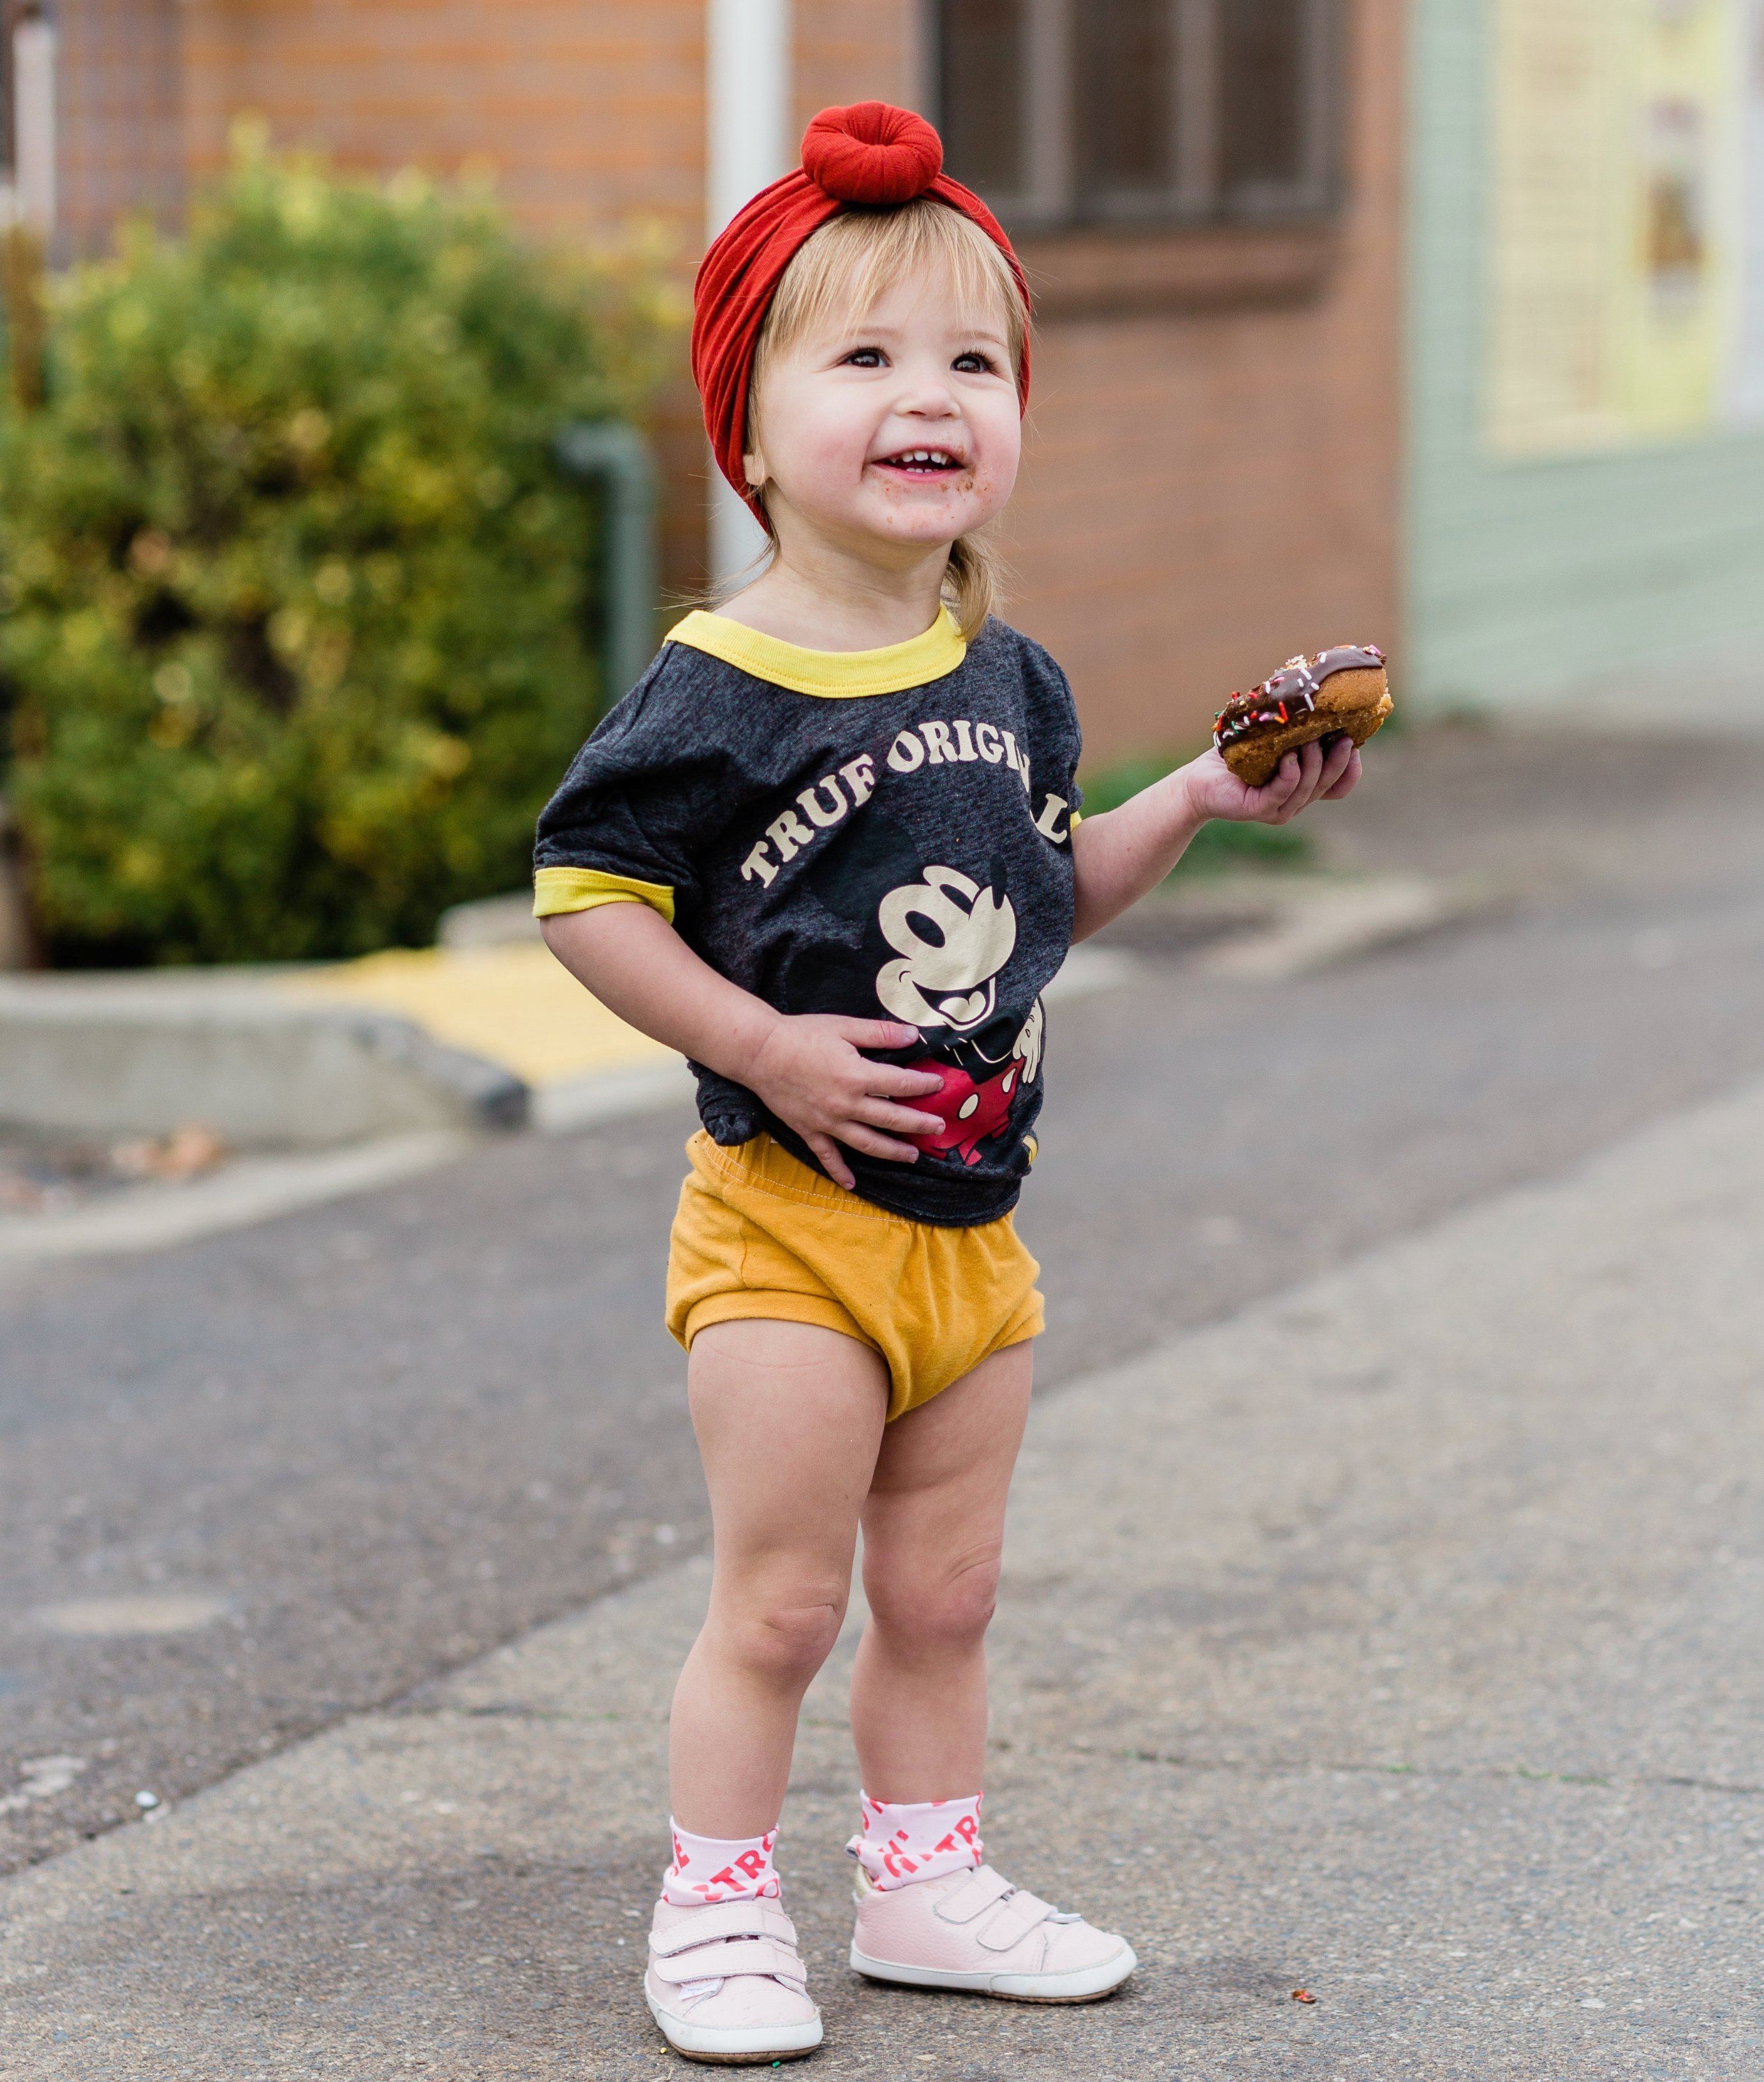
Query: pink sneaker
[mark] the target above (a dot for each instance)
(974, 1930)
(724, 1983)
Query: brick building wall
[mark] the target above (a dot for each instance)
(120, 115)
(1207, 491)
(856, 50)
(1210, 476)
(589, 116)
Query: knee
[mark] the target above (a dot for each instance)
(786, 1638)
(951, 1609)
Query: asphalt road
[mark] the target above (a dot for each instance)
(375, 1438)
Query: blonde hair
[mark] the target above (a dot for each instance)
(842, 269)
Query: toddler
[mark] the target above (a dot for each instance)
(830, 848)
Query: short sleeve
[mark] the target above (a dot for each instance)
(630, 820)
(1059, 747)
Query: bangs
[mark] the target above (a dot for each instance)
(854, 259)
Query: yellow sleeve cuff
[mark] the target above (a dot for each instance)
(559, 889)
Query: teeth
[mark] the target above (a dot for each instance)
(939, 456)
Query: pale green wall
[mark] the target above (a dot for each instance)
(1530, 578)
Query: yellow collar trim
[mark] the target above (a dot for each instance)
(834, 675)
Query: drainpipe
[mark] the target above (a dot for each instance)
(748, 147)
(615, 458)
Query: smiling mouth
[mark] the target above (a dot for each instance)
(923, 462)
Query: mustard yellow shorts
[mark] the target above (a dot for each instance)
(758, 1234)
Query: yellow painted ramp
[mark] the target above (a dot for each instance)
(515, 1005)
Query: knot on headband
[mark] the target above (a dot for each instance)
(871, 154)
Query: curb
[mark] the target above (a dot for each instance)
(1273, 928)
(358, 1077)
(143, 1056)
(247, 1191)
(1314, 927)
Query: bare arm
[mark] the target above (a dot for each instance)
(1121, 855)
(807, 1069)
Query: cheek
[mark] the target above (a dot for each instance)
(820, 444)
(998, 451)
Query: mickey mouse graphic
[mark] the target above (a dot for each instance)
(952, 938)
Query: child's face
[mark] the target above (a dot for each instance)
(901, 427)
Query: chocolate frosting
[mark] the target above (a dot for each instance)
(1293, 690)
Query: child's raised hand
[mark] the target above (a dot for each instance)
(1322, 772)
(809, 1072)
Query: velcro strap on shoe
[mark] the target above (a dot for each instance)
(976, 1894)
(1014, 1920)
(726, 1918)
(723, 1962)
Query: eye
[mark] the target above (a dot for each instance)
(974, 363)
(864, 357)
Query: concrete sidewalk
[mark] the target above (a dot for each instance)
(1401, 1639)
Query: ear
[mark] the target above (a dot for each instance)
(753, 468)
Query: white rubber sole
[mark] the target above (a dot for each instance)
(1084, 1986)
(729, 2045)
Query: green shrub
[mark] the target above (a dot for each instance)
(1217, 846)
(297, 624)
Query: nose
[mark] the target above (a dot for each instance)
(928, 403)
(927, 393)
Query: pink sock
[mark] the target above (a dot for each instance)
(900, 1842)
(708, 1869)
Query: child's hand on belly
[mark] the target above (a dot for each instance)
(809, 1072)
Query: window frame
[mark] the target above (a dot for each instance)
(1055, 201)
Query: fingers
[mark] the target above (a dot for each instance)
(890, 1079)
(856, 1136)
(1349, 778)
(1276, 791)
(1311, 762)
(868, 1142)
(831, 1162)
(1286, 792)
(1262, 805)
(1323, 770)
(878, 1112)
(1326, 762)
(878, 1033)
(1337, 752)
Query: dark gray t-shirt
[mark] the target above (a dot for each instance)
(885, 834)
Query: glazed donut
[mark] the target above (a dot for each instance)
(1342, 692)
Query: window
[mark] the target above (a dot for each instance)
(1072, 111)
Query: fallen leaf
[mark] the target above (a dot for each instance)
(186, 1154)
(1302, 1996)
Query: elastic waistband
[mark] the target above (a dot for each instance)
(768, 1167)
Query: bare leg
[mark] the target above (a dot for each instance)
(788, 1417)
(933, 1531)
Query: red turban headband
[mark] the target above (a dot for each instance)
(870, 154)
